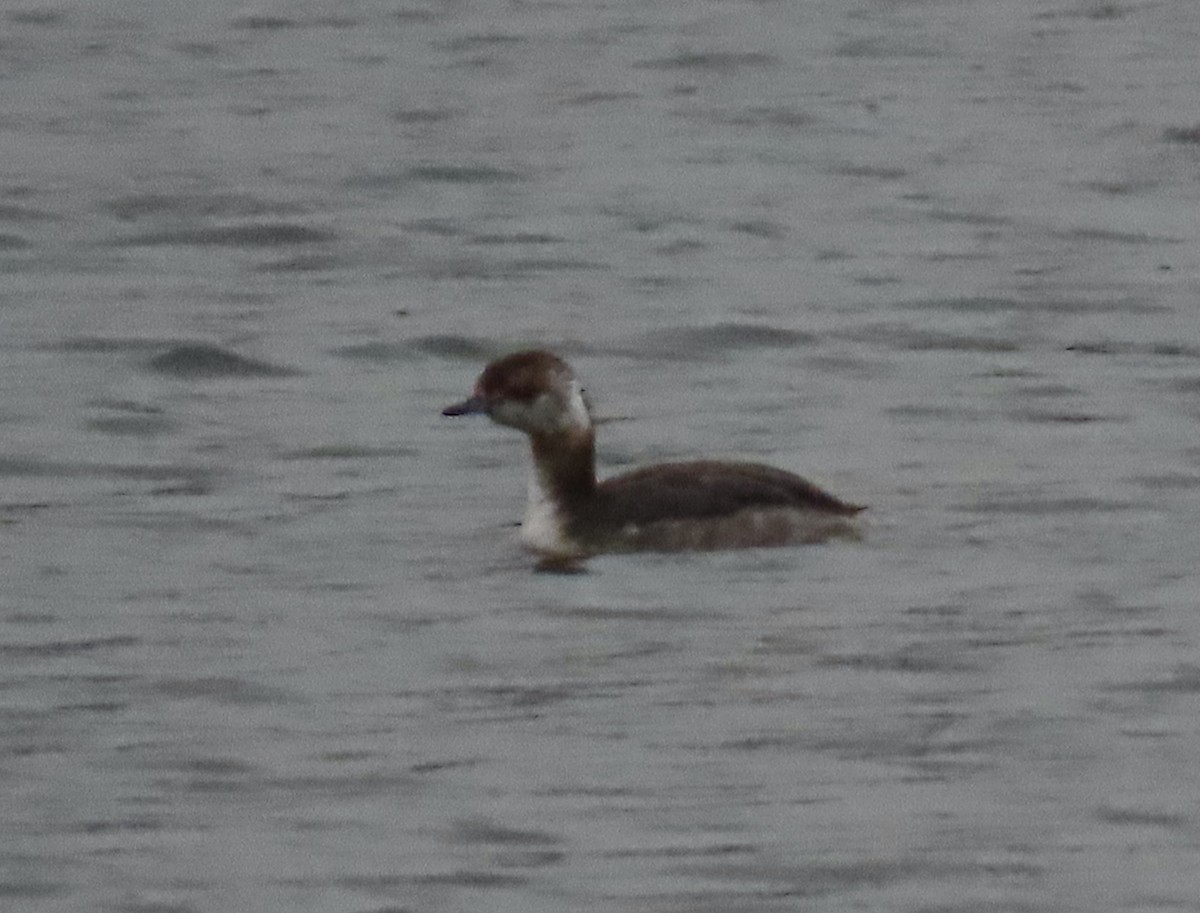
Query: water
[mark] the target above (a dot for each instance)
(268, 640)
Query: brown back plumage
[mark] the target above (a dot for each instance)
(680, 491)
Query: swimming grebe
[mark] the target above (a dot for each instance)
(703, 505)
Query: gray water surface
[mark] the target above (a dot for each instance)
(267, 639)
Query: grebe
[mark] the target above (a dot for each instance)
(704, 505)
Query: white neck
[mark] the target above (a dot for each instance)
(542, 529)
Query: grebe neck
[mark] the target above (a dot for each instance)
(564, 464)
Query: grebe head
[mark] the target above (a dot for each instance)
(534, 392)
